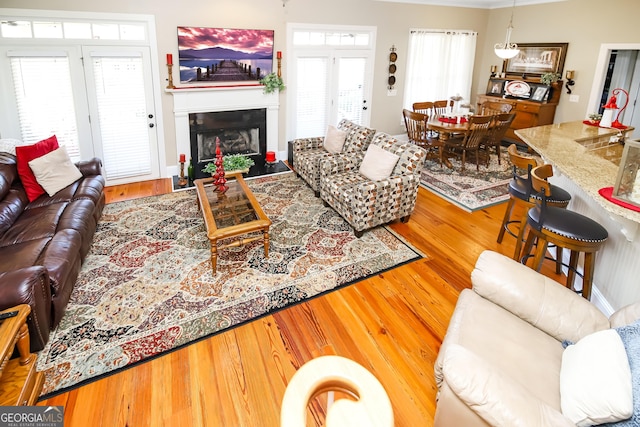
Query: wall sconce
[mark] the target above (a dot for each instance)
(570, 81)
(493, 71)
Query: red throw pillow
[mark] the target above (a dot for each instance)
(26, 153)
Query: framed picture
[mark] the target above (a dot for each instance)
(212, 55)
(539, 93)
(495, 87)
(535, 59)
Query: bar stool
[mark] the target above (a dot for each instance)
(563, 228)
(521, 196)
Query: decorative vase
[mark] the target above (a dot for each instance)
(219, 179)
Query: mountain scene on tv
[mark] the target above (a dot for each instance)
(224, 54)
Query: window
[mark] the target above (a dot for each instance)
(439, 65)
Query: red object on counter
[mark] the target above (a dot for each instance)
(169, 59)
(279, 54)
(607, 193)
(182, 158)
(270, 156)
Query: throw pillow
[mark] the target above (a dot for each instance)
(378, 163)
(334, 140)
(630, 335)
(55, 170)
(595, 380)
(27, 153)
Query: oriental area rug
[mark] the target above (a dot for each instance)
(147, 287)
(470, 190)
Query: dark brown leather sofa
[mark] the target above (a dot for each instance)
(43, 243)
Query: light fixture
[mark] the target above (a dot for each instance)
(570, 81)
(507, 50)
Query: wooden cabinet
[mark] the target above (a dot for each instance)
(528, 113)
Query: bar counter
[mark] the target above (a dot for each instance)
(582, 153)
(584, 161)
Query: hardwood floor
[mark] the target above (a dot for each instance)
(392, 324)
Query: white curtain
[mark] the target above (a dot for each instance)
(439, 65)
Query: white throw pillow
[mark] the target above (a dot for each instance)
(378, 163)
(55, 170)
(334, 139)
(595, 380)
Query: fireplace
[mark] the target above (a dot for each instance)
(188, 101)
(239, 132)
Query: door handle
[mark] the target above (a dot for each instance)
(151, 125)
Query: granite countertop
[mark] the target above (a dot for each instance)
(583, 154)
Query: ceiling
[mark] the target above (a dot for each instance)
(479, 4)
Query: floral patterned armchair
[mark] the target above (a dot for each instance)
(309, 152)
(366, 203)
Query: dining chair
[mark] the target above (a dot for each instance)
(416, 124)
(471, 141)
(425, 107)
(501, 122)
(495, 108)
(441, 107)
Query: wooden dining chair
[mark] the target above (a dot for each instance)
(425, 107)
(472, 140)
(416, 124)
(441, 107)
(501, 122)
(495, 108)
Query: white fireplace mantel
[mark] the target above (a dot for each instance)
(216, 99)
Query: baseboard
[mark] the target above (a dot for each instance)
(601, 302)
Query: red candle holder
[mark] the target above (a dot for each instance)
(270, 157)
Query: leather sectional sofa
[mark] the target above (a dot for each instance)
(44, 242)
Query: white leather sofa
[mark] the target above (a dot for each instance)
(500, 361)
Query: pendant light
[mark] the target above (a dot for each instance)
(507, 50)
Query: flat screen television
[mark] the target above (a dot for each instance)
(210, 55)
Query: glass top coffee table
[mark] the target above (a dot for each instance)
(231, 214)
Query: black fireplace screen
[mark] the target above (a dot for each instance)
(240, 132)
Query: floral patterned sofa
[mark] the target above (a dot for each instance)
(309, 152)
(365, 202)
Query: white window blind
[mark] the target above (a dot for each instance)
(311, 97)
(122, 115)
(439, 65)
(45, 100)
(351, 88)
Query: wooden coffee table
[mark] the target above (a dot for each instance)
(231, 214)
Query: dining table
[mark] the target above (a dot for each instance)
(446, 129)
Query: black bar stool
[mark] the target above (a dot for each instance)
(521, 195)
(563, 228)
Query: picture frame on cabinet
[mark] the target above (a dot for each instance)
(495, 87)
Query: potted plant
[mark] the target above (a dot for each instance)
(549, 78)
(231, 163)
(272, 82)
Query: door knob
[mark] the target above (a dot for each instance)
(151, 125)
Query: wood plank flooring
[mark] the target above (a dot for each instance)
(392, 324)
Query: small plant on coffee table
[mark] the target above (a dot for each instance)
(231, 163)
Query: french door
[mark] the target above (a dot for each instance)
(330, 77)
(123, 125)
